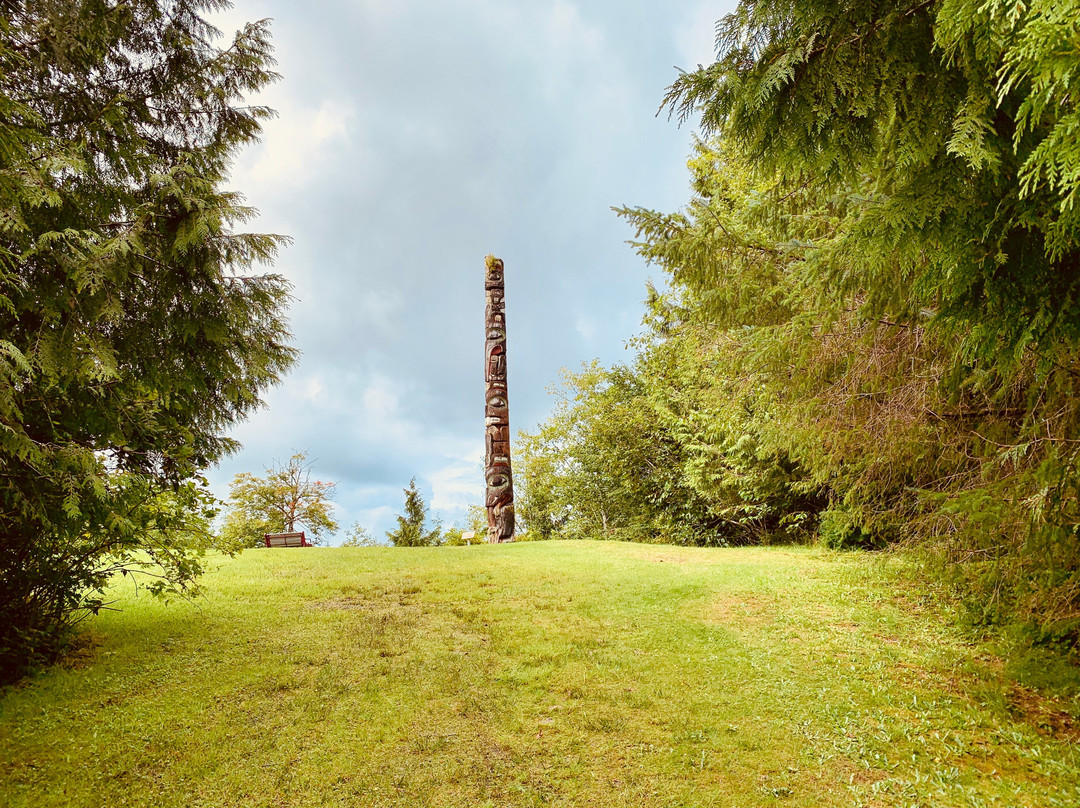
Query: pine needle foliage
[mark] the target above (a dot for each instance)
(869, 415)
(412, 530)
(134, 327)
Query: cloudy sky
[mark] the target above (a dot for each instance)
(413, 138)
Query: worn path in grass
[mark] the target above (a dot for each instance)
(572, 674)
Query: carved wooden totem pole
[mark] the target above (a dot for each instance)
(500, 484)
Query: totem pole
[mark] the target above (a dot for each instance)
(500, 484)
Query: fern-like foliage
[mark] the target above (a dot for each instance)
(134, 329)
(885, 232)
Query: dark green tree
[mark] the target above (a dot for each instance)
(885, 231)
(134, 329)
(938, 133)
(412, 528)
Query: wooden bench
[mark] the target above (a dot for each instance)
(286, 539)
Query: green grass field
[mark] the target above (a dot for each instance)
(573, 674)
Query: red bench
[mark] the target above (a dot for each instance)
(286, 539)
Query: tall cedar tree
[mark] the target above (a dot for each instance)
(945, 133)
(133, 329)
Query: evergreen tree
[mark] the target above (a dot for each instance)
(412, 526)
(134, 330)
(670, 449)
(942, 135)
(884, 232)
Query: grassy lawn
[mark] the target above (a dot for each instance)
(584, 674)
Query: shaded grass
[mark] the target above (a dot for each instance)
(552, 673)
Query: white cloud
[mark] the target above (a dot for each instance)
(458, 484)
(569, 32)
(314, 389)
(380, 399)
(586, 327)
(302, 141)
(379, 309)
(368, 518)
(380, 418)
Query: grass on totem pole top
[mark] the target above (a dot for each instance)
(567, 674)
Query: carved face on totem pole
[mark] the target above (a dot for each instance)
(499, 497)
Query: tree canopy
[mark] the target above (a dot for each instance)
(911, 166)
(134, 326)
(359, 536)
(283, 501)
(870, 326)
(936, 132)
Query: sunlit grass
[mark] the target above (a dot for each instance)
(534, 674)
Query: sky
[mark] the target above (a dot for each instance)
(412, 139)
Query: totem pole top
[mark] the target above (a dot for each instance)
(493, 273)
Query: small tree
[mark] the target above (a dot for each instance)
(359, 536)
(474, 532)
(412, 527)
(282, 501)
(476, 521)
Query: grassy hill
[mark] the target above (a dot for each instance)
(584, 674)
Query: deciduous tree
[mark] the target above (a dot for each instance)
(359, 536)
(285, 500)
